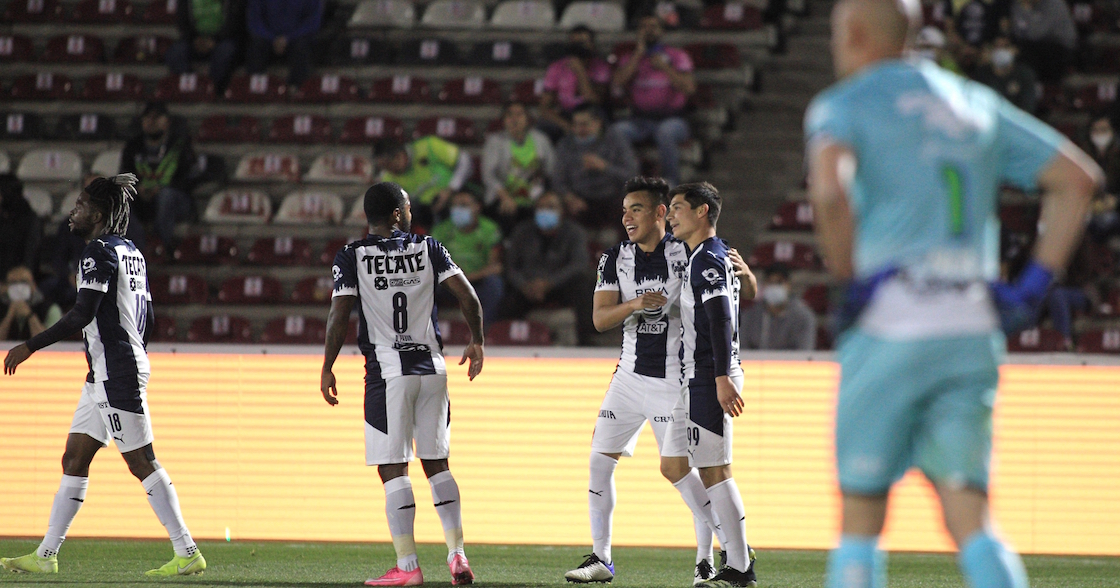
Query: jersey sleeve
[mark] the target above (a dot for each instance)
(98, 266)
(827, 120)
(606, 279)
(709, 277)
(1027, 145)
(442, 264)
(345, 271)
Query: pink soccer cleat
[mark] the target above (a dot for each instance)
(461, 573)
(399, 577)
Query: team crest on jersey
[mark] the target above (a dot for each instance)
(712, 275)
(337, 271)
(87, 265)
(679, 268)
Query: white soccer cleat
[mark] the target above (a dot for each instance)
(591, 570)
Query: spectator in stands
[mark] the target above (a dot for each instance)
(284, 28)
(1013, 79)
(213, 29)
(516, 165)
(580, 77)
(1077, 290)
(161, 157)
(1046, 36)
(21, 231)
(781, 322)
(657, 79)
(474, 242)
(430, 169)
(592, 166)
(25, 311)
(547, 264)
(975, 22)
(1101, 144)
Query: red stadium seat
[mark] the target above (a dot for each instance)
(340, 167)
(793, 216)
(824, 339)
(334, 246)
(364, 130)
(280, 251)
(86, 127)
(178, 289)
(471, 91)
(250, 290)
(20, 126)
(206, 250)
(1106, 341)
(15, 48)
(1037, 340)
(160, 12)
(188, 87)
(1094, 97)
(220, 128)
(454, 332)
(257, 88)
(794, 255)
(145, 49)
(494, 126)
(400, 89)
(165, 330)
(428, 52)
(220, 328)
(113, 87)
(714, 55)
(268, 167)
(300, 128)
(42, 86)
(733, 16)
(327, 88)
(239, 207)
(295, 329)
(33, 11)
(102, 12)
(313, 290)
(456, 130)
(518, 333)
(816, 296)
(1019, 218)
(74, 49)
(528, 91)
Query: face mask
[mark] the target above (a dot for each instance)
(584, 141)
(546, 219)
(1003, 58)
(19, 292)
(461, 216)
(775, 294)
(1101, 140)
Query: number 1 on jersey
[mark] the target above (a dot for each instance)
(955, 186)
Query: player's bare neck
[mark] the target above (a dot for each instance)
(649, 244)
(699, 237)
(382, 230)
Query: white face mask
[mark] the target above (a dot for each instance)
(19, 292)
(775, 294)
(1101, 140)
(1002, 58)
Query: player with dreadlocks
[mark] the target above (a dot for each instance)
(114, 312)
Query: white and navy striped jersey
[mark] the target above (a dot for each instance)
(395, 281)
(651, 339)
(115, 337)
(710, 275)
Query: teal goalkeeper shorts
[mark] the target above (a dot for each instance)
(925, 403)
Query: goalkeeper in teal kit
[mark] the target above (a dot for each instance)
(905, 165)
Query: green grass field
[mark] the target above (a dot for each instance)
(91, 563)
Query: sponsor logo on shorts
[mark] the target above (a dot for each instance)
(606, 414)
(662, 419)
(402, 282)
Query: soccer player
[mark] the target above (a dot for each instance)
(114, 312)
(906, 161)
(712, 377)
(392, 276)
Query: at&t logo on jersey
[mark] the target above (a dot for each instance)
(654, 328)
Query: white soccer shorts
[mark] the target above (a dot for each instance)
(708, 430)
(403, 410)
(95, 418)
(631, 400)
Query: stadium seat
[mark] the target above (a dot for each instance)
(67, 204)
(21, 126)
(1094, 97)
(456, 130)
(732, 16)
(340, 167)
(602, 17)
(314, 290)
(14, 48)
(824, 338)
(178, 289)
(41, 86)
(257, 88)
(334, 246)
(295, 329)
(206, 250)
(364, 130)
(160, 12)
(85, 127)
(395, 14)
(1037, 340)
(239, 206)
(357, 216)
(33, 11)
(280, 251)
(816, 296)
(454, 14)
(220, 328)
(113, 87)
(101, 12)
(524, 14)
(795, 255)
(220, 128)
(409, 89)
(250, 290)
(428, 52)
(189, 87)
(306, 207)
(518, 333)
(267, 166)
(793, 216)
(5, 163)
(145, 49)
(454, 332)
(50, 165)
(1103, 59)
(714, 55)
(528, 91)
(327, 88)
(1106, 341)
(300, 128)
(500, 54)
(471, 91)
(74, 49)
(355, 51)
(107, 163)
(165, 330)
(1019, 218)
(40, 200)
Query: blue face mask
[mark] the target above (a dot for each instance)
(461, 216)
(546, 219)
(585, 141)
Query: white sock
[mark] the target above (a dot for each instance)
(69, 498)
(165, 501)
(727, 505)
(600, 498)
(719, 530)
(400, 510)
(694, 495)
(445, 495)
